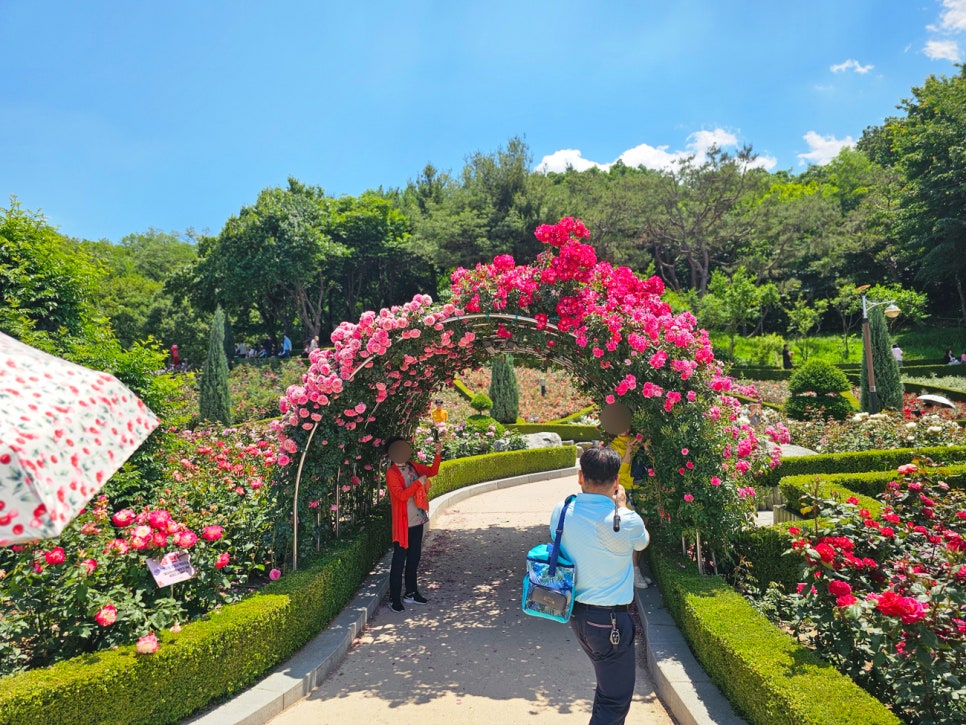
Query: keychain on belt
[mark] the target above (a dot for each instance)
(615, 635)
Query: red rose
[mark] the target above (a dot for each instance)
(212, 533)
(55, 556)
(839, 588)
(222, 560)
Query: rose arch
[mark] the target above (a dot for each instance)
(606, 325)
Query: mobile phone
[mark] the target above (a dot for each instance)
(435, 434)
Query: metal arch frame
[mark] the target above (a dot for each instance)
(369, 363)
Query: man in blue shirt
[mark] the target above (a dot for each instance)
(600, 539)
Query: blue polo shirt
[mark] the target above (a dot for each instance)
(602, 557)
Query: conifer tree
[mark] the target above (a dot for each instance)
(888, 382)
(215, 402)
(504, 391)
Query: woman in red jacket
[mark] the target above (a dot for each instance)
(407, 481)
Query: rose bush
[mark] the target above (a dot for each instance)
(864, 432)
(883, 597)
(91, 587)
(611, 329)
(563, 397)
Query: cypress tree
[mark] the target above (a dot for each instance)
(214, 402)
(503, 390)
(888, 382)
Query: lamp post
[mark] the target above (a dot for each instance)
(891, 312)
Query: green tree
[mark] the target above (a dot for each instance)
(504, 391)
(214, 400)
(735, 301)
(887, 378)
(928, 144)
(803, 318)
(46, 282)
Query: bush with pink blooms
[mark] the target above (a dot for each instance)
(91, 588)
(610, 328)
(884, 598)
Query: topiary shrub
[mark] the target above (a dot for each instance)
(816, 389)
(481, 403)
(889, 389)
(503, 390)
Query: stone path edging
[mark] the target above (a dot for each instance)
(682, 685)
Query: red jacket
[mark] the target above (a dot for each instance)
(399, 495)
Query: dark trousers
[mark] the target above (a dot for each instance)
(616, 667)
(405, 559)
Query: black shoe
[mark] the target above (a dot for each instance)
(397, 607)
(415, 598)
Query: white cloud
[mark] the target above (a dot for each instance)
(651, 157)
(851, 64)
(952, 20)
(564, 159)
(823, 148)
(942, 50)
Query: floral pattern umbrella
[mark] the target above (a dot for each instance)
(64, 431)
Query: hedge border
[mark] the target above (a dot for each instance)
(768, 677)
(246, 639)
(859, 462)
(566, 431)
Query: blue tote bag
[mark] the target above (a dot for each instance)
(548, 587)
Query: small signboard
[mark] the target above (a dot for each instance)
(172, 568)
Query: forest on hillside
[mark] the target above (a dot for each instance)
(746, 249)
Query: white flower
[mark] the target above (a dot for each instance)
(911, 426)
(934, 429)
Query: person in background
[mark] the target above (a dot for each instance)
(408, 483)
(600, 538)
(286, 347)
(439, 416)
(543, 387)
(962, 358)
(786, 357)
(897, 353)
(754, 414)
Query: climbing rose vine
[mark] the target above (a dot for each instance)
(607, 325)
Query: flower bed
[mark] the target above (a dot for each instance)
(882, 594)
(563, 396)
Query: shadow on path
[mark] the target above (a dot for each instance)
(470, 654)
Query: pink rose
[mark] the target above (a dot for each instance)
(274, 574)
(212, 533)
(89, 566)
(106, 615)
(123, 518)
(185, 539)
(688, 497)
(148, 644)
(55, 556)
(222, 561)
(907, 469)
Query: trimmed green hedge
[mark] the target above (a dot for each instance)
(766, 674)
(951, 393)
(462, 389)
(565, 431)
(765, 551)
(794, 487)
(474, 469)
(574, 416)
(860, 462)
(872, 483)
(233, 647)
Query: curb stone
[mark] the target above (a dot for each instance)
(681, 684)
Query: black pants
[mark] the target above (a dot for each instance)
(405, 558)
(615, 666)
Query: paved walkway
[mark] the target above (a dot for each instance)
(471, 656)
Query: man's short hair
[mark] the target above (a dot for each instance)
(600, 465)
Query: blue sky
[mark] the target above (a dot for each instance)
(120, 116)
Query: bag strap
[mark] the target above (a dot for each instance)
(555, 549)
